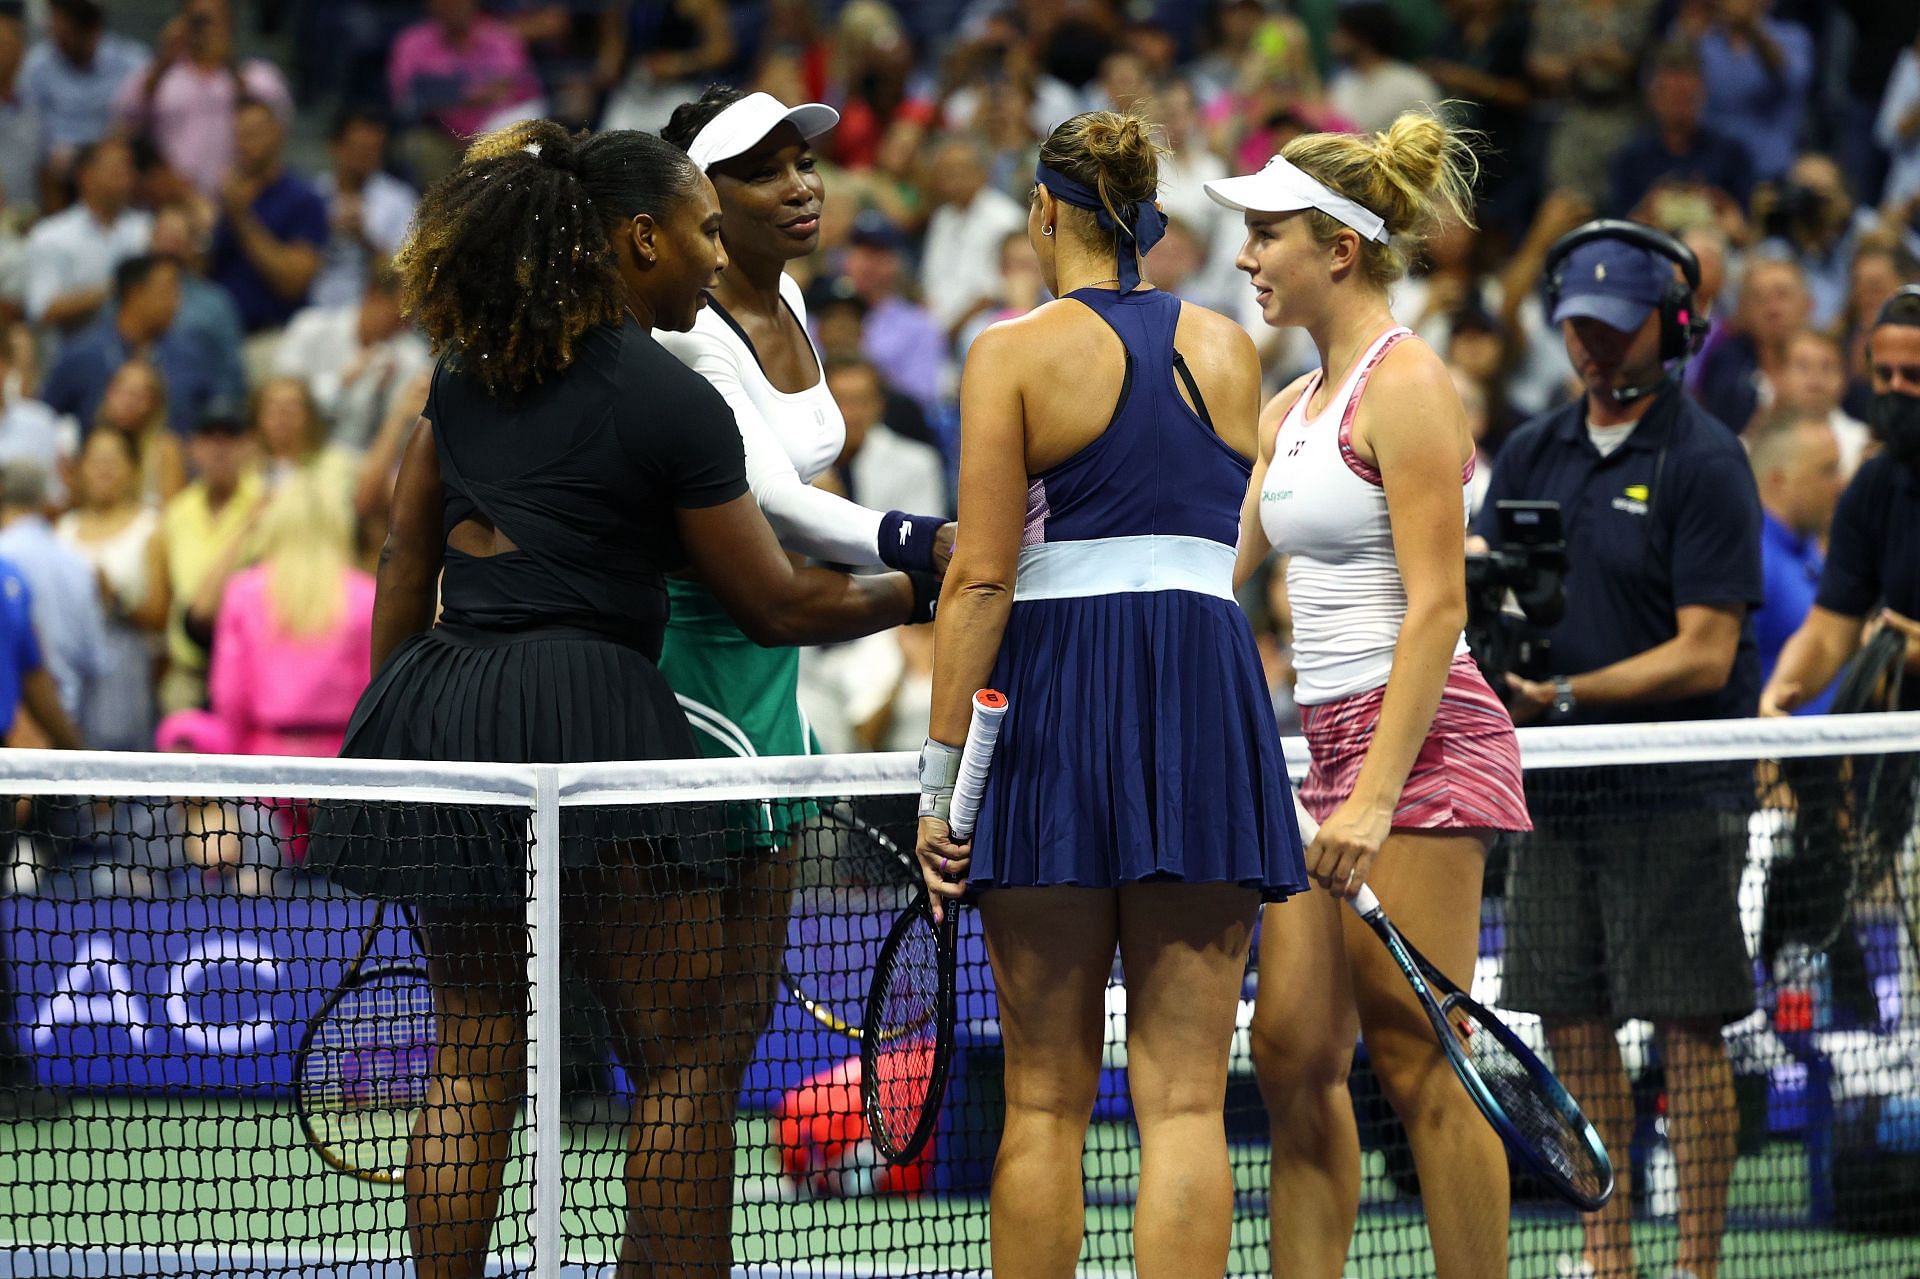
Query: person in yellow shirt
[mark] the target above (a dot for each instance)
(205, 529)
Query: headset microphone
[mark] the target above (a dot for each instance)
(1628, 394)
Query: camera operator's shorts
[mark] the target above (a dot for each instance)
(1629, 911)
(1466, 777)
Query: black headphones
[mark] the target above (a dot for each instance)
(1886, 308)
(1682, 327)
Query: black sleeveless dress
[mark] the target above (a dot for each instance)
(543, 654)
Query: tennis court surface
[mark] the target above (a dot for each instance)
(165, 965)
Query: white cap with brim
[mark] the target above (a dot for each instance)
(1283, 187)
(740, 127)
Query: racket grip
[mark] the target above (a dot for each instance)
(989, 708)
(1365, 902)
(1302, 818)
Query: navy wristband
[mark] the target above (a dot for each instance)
(906, 541)
(926, 597)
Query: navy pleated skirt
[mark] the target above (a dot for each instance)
(1139, 745)
(554, 695)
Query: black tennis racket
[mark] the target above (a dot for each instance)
(909, 1017)
(854, 880)
(360, 1074)
(1530, 1109)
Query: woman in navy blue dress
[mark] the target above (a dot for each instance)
(1137, 797)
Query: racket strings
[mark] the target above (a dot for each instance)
(905, 1064)
(1544, 1125)
(367, 1070)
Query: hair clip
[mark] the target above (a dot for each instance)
(532, 148)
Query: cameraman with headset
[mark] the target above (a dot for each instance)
(1624, 902)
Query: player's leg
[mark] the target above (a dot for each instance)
(1430, 883)
(1052, 953)
(1586, 1056)
(1703, 1117)
(1184, 949)
(1304, 1029)
(457, 1157)
(648, 938)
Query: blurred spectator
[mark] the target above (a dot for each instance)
(135, 405)
(293, 442)
(354, 358)
(293, 641)
(838, 317)
(1878, 271)
(660, 53)
(368, 209)
(266, 247)
(1585, 55)
(905, 694)
(1479, 62)
(872, 65)
(448, 75)
(71, 256)
(1897, 129)
(1125, 83)
(206, 529)
(1017, 288)
(207, 322)
(25, 684)
(900, 336)
(1796, 463)
(1374, 84)
(882, 470)
(20, 125)
(1757, 71)
(66, 593)
(970, 219)
(119, 535)
(188, 100)
(379, 466)
(1473, 399)
(1677, 148)
(1812, 218)
(29, 430)
(147, 300)
(71, 77)
(1812, 383)
(1736, 374)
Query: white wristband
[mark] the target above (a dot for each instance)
(939, 771)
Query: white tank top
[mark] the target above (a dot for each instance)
(791, 438)
(1323, 507)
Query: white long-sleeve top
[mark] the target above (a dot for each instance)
(790, 438)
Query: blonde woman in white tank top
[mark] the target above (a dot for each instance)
(1360, 482)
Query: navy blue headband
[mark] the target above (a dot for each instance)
(1144, 224)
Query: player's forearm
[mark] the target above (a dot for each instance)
(1421, 659)
(825, 607)
(967, 633)
(406, 588)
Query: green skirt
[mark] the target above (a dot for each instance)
(741, 700)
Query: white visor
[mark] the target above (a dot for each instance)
(741, 126)
(1282, 187)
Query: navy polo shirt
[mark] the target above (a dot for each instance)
(292, 210)
(1873, 552)
(1639, 548)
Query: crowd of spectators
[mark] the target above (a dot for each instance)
(202, 350)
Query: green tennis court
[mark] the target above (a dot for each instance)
(187, 1179)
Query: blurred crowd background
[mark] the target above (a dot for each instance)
(206, 378)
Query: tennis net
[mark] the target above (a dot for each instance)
(650, 977)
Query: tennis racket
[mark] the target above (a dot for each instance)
(909, 1017)
(854, 882)
(1530, 1109)
(360, 1073)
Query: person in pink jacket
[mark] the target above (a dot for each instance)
(292, 642)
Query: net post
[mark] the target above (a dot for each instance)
(543, 972)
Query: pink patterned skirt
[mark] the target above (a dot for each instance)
(1466, 777)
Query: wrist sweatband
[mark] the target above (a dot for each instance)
(926, 597)
(939, 771)
(906, 541)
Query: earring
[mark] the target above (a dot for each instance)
(1046, 230)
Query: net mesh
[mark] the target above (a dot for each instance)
(1727, 893)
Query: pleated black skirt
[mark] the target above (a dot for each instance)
(555, 695)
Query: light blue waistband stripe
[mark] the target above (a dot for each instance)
(1116, 565)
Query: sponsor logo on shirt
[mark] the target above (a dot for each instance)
(1633, 500)
(1275, 495)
